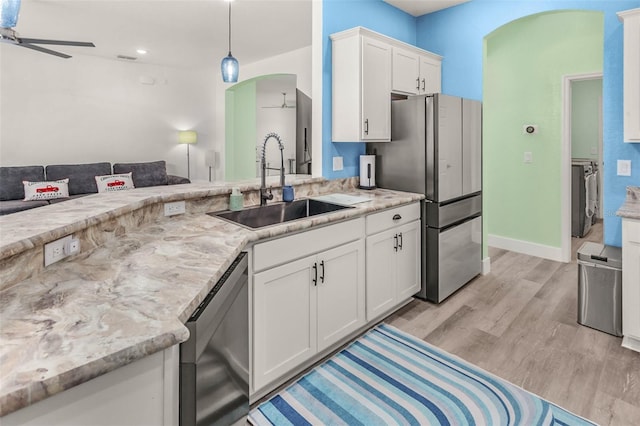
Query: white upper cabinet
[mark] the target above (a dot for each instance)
(366, 68)
(631, 20)
(415, 72)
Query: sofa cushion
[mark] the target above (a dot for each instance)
(13, 206)
(81, 176)
(144, 174)
(177, 180)
(11, 187)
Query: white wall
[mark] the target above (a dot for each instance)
(89, 109)
(295, 62)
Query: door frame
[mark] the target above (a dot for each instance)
(565, 158)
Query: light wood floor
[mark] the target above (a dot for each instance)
(520, 323)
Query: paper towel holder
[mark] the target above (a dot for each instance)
(367, 172)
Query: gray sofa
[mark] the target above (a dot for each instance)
(81, 180)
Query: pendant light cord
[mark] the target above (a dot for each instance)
(229, 26)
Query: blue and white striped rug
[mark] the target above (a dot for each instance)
(387, 377)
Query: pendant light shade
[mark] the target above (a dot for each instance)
(9, 13)
(230, 69)
(229, 66)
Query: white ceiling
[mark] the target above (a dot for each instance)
(421, 7)
(175, 32)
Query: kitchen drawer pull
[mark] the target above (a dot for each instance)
(322, 276)
(400, 239)
(315, 274)
(396, 217)
(395, 242)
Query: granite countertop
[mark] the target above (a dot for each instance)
(631, 207)
(126, 299)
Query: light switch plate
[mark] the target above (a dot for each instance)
(528, 157)
(337, 164)
(624, 167)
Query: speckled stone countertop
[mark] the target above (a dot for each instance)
(631, 207)
(126, 299)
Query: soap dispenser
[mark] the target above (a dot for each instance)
(235, 200)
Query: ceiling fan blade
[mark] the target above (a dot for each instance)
(43, 50)
(57, 42)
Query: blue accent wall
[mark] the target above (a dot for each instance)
(339, 15)
(457, 34)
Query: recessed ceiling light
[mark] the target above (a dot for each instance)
(141, 51)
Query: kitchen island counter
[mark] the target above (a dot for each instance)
(127, 298)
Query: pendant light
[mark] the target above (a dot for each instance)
(229, 65)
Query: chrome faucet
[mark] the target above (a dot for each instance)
(264, 196)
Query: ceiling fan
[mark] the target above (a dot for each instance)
(284, 103)
(9, 18)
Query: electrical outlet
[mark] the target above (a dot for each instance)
(55, 250)
(624, 167)
(177, 207)
(337, 164)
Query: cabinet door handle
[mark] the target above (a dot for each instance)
(400, 239)
(315, 274)
(396, 217)
(322, 276)
(366, 126)
(423, 85)
(418, 83)
(395, 242)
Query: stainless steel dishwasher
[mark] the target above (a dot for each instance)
(214, 362)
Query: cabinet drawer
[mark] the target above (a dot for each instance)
(631, 230)
(287, 249)
(385, 219)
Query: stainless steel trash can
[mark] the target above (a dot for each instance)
(600, 287)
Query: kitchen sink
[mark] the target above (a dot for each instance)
(272, 214)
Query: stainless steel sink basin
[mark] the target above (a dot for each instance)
(257, 217)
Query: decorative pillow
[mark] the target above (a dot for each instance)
(114, 183)
(46, 190)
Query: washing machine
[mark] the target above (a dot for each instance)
(584, 197)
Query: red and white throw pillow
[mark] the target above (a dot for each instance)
(114, 183)
(46, 190)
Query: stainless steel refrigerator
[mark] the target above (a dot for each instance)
(436, 149)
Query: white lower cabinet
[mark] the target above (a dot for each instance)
(393, 268)
(631, 283)
(144, 392)
(305, 306)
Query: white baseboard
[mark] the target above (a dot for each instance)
(525, 247)
(631, 343)
(486, 265)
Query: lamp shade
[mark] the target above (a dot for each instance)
(187, 136)
(230, 69)
(9, 13)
